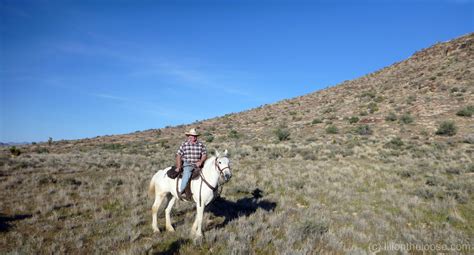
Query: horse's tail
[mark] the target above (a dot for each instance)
(151, 187)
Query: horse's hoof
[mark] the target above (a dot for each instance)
(197, 239)
(170, 229)
(156, 230)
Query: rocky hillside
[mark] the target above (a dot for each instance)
(383, 159)
(424, 90)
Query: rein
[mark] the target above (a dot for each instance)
(221, 172)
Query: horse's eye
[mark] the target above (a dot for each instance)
(219, 162)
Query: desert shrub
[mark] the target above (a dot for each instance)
(295, 118)
(395, 143)
(15, 151)
(406, 118)
(424, 193)
(354, 119)
(372, 107)
(234, 134)
(50, 141)
(447, 128)
(282, 134)
(363, 113)
(466, 111)
(369, 94)
(405, 173)
(41, 150)
(164, 143)
(311, 227)
(391, 117)
(158, 133)
(112, 146)
(332, 129)
(364, 130)
(277, 153)
(208, 137)
(470, 168)
(379, 99)
(328, 110)
(316, 121)
(469, 139)
(307, 154)
(411, 99)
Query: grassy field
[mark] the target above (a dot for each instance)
(344, 198)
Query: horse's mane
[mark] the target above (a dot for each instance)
(209, 160)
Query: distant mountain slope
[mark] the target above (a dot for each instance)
(427, 88)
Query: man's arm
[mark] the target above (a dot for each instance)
(201, 162)
(178, 162)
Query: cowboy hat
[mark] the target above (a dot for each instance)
(193, 132)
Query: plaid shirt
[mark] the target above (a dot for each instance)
(191, 152)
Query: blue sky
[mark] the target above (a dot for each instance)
(77, 69)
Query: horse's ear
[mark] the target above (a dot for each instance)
(217, 154)
(225, 152)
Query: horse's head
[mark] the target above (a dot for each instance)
(223, 165)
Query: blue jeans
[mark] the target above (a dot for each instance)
(187, 170)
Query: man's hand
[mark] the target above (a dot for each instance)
(199, 164)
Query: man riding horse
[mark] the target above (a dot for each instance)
(191, 153)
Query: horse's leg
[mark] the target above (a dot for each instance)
(169, 227)
(197, 226)
(154, 211)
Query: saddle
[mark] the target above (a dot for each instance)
(172, 174)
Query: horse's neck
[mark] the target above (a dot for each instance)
(209, 171)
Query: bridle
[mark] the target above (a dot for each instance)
(221, 173)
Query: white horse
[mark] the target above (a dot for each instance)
(203, 189)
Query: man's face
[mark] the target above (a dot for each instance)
(192, 138)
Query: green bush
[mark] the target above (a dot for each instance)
(113, 146)
(208, 137)
(372, 107)
(411, 99)
(447, 128)
(391, 117)
(41, 150)
(354, 119)
(158, 133)
(379, 99)
(234, 134)
(395, 143)
(328, 110)
(370, 94)
(164, 143)
(15, 151)
(364, 130)
(316, 121)
(466, 111)
(282, 134)
(332, 129)
(406, 118)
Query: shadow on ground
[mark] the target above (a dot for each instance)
(246, 206)
(173, 248)
(5, 220)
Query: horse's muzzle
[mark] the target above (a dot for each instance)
(227, 177)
